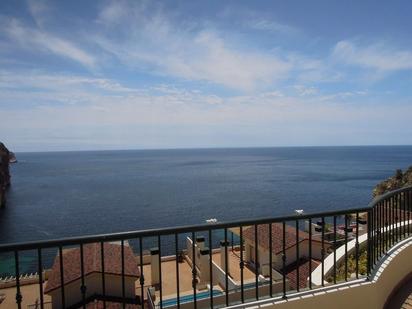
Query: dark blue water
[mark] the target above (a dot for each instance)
(74, 193)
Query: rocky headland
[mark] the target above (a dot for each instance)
(399, 180)
(4, 173)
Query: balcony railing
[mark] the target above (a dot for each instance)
(212, 265)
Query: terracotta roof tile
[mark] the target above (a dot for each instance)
(92, 263)
(277, 236)
(303, 273)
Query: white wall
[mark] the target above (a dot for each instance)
(93, 283)
(263, 255)
(219, 277)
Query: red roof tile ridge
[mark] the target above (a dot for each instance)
(92, 263)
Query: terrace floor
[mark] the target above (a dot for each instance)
(30, 293)
(169, 287)
(233, 266)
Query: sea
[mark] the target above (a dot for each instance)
(64, 194)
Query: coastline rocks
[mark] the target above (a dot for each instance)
(12, 157)
(4, 173)
(397, 181)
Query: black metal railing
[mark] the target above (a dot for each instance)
(202, 267)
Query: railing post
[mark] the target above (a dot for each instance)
(334, 249)
(346, 247)
(211, 266)
(297, 254)
(177, 271)
(385, 226)
(83, 286)
(62, 277)
(369, 244)
(310, 252)
(40, 270)
(357, 245)
(408, 209)
(123, 274)
(103, 274)
(284, 257)
(141, 279)
(270, 261)
(17, 275)
(323, 250)
(257, 264)
(241, 265)
(160, 272)
(194, 271)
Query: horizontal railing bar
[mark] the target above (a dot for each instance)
(167, 231)
(385, 196)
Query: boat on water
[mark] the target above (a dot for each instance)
(211, 220)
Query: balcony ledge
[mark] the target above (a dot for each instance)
(361, 293)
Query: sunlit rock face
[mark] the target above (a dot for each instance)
(4, 173)
(399, 180)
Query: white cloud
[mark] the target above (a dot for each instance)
(146, 121)
(305, 90)
(379, 56)
(82, 112)
(30, 38)
(153, 40)
(311, 70)
(56, 82)
(38, 10)
(339, 96)
(272, 26)
(112, 12)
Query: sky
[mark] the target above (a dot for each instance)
(93, 75)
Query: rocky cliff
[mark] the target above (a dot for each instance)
(4, 173)
(399, 180)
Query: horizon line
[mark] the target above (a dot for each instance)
(213, 148)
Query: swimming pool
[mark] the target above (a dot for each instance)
(189, 298)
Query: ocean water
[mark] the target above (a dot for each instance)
(75, 193)
(59, 194)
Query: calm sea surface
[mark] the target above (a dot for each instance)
(75, 193)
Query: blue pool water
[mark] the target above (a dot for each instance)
(190, 298)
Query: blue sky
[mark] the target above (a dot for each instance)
(183, 74)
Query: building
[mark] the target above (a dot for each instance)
(93, 275)
(262, 264)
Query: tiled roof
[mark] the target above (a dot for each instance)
(277, 236)
(92, 263)
(303, 273)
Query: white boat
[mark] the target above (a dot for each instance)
(211, 221)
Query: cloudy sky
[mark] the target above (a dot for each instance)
(118, 75)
